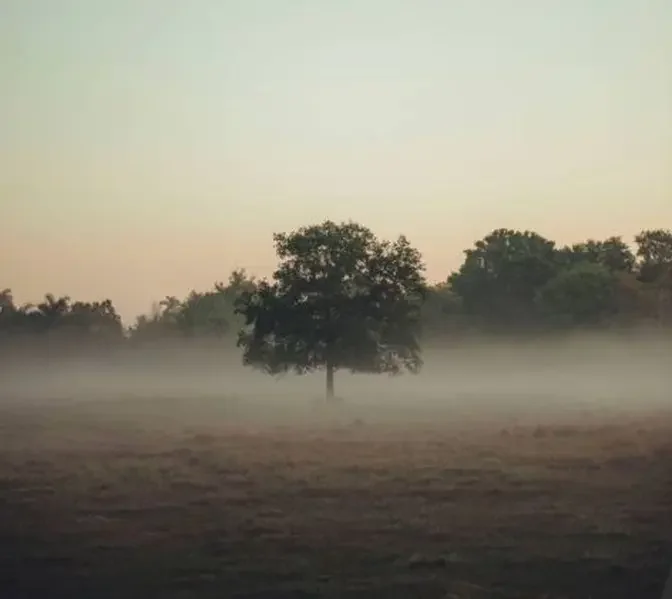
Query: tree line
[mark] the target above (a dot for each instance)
(341, 298)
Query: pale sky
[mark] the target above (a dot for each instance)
(148, 147)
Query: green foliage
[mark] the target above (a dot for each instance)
(209, 314)
(582, 294)
(81, 322)
(339, 299)
(654, 250)
(342, 299)
(501, 275)
(442, 313)
(612, 253)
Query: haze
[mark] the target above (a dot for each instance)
(153, 146)
(558, 379)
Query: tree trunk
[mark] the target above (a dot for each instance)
(330, 381)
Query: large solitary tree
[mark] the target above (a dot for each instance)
(339, 299)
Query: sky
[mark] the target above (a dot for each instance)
(149, 147)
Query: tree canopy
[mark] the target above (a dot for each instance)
(500, 276)
(339, 299)
(342, 299)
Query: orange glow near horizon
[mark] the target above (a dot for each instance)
(145, 156)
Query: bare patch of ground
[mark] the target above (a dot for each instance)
(102, 503)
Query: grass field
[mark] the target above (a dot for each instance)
(186, 499)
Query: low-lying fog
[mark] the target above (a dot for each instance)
(632, 372)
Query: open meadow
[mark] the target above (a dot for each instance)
(213, 498)
(335, 300)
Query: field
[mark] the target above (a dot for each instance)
(171, 498)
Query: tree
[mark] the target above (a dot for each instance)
(202, 314)
(612, 253)
(57, 324)
(339, 299)
(10, 315)
(442, 313)
(654, 250)
(212, 313)
(583, 294)
(98, 320)
(49, 315)
(501, 275)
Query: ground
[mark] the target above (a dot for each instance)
(175, 499)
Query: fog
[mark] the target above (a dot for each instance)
(486, 376)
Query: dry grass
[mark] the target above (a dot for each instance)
(97, 503)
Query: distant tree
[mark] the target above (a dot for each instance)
(11, 316)
(582, 294)
(6, 300)
(501, 275)
(212, 313)
(339, 299)
(148, 327)
(238, 283)
(654, 251)
(57, 324)
(171, 308)
(50, 314)
(96, 320)
(635, 304)
(442, 313)
(202, 314)
(612, 253)
(75, 321)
